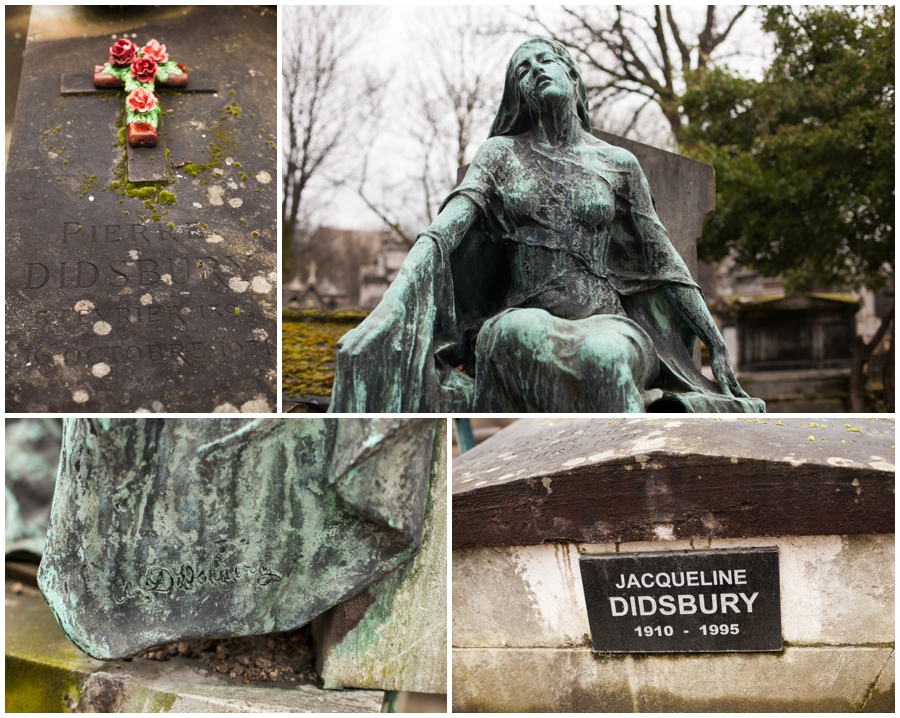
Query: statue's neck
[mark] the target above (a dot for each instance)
(558, 124)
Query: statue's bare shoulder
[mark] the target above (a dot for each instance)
(618, 157)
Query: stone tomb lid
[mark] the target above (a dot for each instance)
(599, 480)
(158, 297)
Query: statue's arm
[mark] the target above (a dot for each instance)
(451, 225)
(688, 301)
(685, 298)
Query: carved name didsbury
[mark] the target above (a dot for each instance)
(160, 581)
(135, 268)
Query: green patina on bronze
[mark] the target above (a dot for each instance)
(547, 282)
(179, 528)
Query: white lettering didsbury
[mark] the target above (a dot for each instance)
(684, 604)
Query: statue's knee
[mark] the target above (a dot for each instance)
(610, 352)
(508, 331)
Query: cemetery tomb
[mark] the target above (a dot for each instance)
(669, 565)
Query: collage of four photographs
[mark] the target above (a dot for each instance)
(588, 313)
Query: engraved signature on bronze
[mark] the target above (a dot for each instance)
(161, 580)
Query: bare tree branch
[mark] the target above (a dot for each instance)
(320, 93)
(630, 50)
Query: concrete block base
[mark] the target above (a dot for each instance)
(46, 673)
(577, 680)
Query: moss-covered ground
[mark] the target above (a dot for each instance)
(309, 339)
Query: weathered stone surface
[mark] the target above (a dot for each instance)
(881, 700)
(836, 590)
(46, 673)
(518, 596)
(167, 529)
(393, 635)
(595, 480)
(155, 297)
(799, 679)
(32, 460)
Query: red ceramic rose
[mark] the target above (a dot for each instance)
(122, 53)
(141, 101)
(155, 52)
(143, 69)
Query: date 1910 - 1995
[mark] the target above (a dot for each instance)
(722, 629)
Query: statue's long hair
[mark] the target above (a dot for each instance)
(514, 116)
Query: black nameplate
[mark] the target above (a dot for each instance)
(683, 601)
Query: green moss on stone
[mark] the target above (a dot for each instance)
(166, 197)
(35, 687)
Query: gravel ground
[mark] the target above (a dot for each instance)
(281, 659)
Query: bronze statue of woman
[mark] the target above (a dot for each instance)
(546, 283)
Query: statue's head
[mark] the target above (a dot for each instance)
(518, 104)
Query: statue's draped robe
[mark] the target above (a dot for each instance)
(574, 233)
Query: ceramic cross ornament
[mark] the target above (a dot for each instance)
(139, 70)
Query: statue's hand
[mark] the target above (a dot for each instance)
(724, 374)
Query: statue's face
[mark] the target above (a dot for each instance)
(542, 75)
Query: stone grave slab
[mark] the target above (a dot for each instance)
(144, 296)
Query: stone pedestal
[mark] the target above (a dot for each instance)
(393, 635)
(46, 673)
(529, 502)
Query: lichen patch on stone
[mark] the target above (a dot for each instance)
(226, 409)
(100, 369)
(261, 286)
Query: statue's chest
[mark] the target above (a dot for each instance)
(559, 193)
